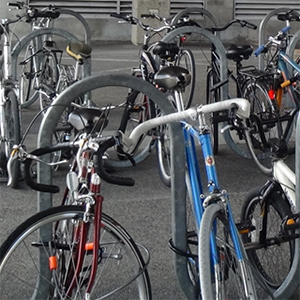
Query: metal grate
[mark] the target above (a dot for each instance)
(103, 8)
(93, 8)
(178, 5)
(254, 9)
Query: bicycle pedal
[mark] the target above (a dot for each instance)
(245, 227)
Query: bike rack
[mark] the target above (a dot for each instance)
(104, 80)
(262, 29)
(179, 229)
(23, 42)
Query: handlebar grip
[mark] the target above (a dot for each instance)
(119, 16)
(18, 4)
(27, 174)
(150, 16)
(259, 50)
(46, 14)
(250, 25)
(286, 83)
(124, 181)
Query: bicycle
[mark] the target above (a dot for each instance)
(30, 71)
(279, 122)
(75, 251)
(213, 198)
(10, 131)
(273, 222)
(152, 58)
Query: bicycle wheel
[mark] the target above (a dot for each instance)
(163, 153)
(222, 276)
(10, 135)
(24, 259)
(268, 259)
(186, 60)
(137, 109)
(261, 107)
(28, 77)
(48, 79)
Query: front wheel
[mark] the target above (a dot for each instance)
(26, 272)
(163, 155)
(10, 135)
(268, 259)
(223, 274)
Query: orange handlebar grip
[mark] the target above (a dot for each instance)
(285, 84)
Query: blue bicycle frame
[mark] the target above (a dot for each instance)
(198, 197)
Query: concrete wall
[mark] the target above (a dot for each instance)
(110, 30)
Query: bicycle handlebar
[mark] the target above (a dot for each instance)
(243, 112)
(124, 181)
(279, 36)
(135, 21)
(243, 23)
(46, 188)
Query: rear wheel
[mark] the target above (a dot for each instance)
(262, 112)
(25, 259)
(186, 60)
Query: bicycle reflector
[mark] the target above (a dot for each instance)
(271, 94)
(52, 263)
(182, 38)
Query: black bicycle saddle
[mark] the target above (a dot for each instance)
(238, 53)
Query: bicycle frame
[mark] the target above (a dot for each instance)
(199, 199)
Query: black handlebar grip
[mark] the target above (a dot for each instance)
(18, 4)
(251, 25)
(125, 181)
(147, 16)
(119, 16)
(27, 174)
(46, 14)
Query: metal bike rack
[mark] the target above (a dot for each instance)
(262, 29)
(105, 80)
(87, 63)
(23, 42)
(179, 230)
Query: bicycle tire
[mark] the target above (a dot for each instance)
(228, 268)
(48, 79)
(163, 155)
(28, 77)
(186, 60)
(11, 135)
(261, 106)
(15, 254)
(263, 259)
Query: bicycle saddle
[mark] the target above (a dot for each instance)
(172, 78)
(88, 117)
(79, 51)
(166, 51)
(238, 53)
(289, 16)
